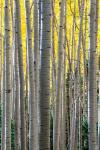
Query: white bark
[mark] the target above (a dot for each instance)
(3, 136)
(45, 77)
(92, 96)
(59, 78)
(7, 75)
(16, 89)
(37, 61)
(33, 143)
(21, 75)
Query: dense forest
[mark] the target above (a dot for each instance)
(49, 75)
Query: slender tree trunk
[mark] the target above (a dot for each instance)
(92, 99)
(63, 97)
(67, 113)
(85, 85)
(3, 118)
(27, 99)
(45, 77)
(1, 46)
(71, 96)
(17, 110)
(63, 112)
(12, 59)
(16, 89)
(59, 77)
(53, 68)
(21, 76)
(7, 75)
(33, 145)
(78, 77)
(99, 116)
(96, 26)
(37, 62)
(3, 136)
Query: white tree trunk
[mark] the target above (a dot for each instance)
(37, 61)
(33, 143)
(16, 89)
(92, 95)
(21, 75)
(7, 75)
(3, 136)
(45, 77)
(59, 78)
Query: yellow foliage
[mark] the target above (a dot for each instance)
(69, 26)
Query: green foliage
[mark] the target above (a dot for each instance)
(12, 135)
(85, 134)
(12, 130)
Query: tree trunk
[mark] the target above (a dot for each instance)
(37, 61)
(45, 77)
(1, 46)
(16, 89)
(59, 78)
(92, 99)
(7, 75)
(3, 136)
(78, 77)
(63, 97)
(33, 144)
(21, 76)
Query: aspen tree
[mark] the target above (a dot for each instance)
(78, 99)
(7, 74)
(1, 46)
(63, 96)
(53, 67)
(59, 77)
(37, 63)
(21, 75)
(3, 118)
(92, 96)
(71, 96)
(45, 76)
(16, 88)
(85, 82)
(3, 134)
(33, 144)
